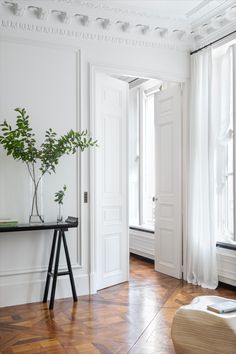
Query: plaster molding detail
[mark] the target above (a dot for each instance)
(212, 10)
(84, 19)
(144, 29)
(40, 12)
(162, 32)
(125, 26)
(206, 9)
(202, 40)
(63, 16)
(66, 16)
(16, 8)
(215, 21)
(104, 22)
(214, 27)
(10, 25)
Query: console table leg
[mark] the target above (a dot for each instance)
(69, 268)
(54, 282)
(45, 297)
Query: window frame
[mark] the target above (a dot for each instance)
(143, 92)
(223, 229)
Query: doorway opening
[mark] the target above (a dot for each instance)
(142, 165)
(136, 175)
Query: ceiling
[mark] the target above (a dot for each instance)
(160, 8)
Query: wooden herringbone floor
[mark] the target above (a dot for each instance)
(132, 318)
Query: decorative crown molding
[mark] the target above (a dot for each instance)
(15, 25)
(220, 21)
(52, 15)
(206, 20)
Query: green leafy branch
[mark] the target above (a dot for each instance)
(20, 143)
(59, 196)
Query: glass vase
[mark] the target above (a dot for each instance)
(36, 196)
(59, 215)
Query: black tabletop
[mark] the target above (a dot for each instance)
(42, 226)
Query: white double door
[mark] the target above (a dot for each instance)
(168, 211)
(111, 229)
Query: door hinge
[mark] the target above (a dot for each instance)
(85, 197)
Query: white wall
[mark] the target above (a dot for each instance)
(42, 79)
(49, 75)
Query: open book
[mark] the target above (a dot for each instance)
(223, 307)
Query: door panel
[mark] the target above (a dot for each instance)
(111, 202)
(168, 229)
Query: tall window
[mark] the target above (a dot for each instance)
(226, 194)
(225, 156)
(141, 158)
(148, 161)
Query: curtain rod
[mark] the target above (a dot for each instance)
(208, 45)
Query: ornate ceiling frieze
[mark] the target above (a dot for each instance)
(16, 25)
(99, 19)
(211, 25)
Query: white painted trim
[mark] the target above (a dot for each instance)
(21, 20)
(15, 291)
(141, 105)
(185, 157)
(141, 253)
(78, 159)
(226, 262)
(138, 72)
(26, 270)
(25, 26)
(39, 43)
(216, 35)
(110, 70)
(92, 245)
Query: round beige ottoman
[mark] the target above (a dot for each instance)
(195, 330)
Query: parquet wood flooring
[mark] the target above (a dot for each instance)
(132, 318)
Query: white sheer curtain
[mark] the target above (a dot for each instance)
(223, 113)
(201, 241)
(211, 106)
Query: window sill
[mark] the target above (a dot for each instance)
(228, 246)
(142, 228)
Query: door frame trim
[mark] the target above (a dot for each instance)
(110, 70)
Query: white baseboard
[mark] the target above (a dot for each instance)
(226, 262)
(16, 290)
(142, 243)
(93, 283)
(141, 253)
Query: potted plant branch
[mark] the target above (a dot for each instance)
(20, 143)
(59, 199)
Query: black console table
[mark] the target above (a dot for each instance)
(58, 238)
